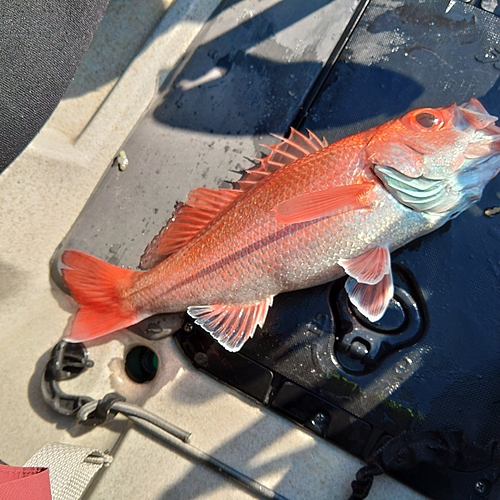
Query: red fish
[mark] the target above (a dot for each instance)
(308, 214)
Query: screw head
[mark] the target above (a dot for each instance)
(482, 487)
(319, 420)
(188, 327)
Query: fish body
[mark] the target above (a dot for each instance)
(308, 214)
(248, 253)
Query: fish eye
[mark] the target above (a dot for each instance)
(426, 120)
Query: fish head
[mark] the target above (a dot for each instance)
(437, 160)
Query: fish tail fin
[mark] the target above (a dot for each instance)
(98, 288)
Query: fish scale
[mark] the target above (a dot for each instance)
(306, 215)
(241, 243)
(249, 246)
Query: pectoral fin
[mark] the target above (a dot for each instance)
(325, 203)
(231, 325)
(370, 286)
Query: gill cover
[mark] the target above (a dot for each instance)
(437, 160)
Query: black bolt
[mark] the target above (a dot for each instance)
(358, 350)
(201, 359)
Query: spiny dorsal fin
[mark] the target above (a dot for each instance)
(204, 204)
(287, 151)
(189, 218)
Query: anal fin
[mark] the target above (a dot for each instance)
(231, 325)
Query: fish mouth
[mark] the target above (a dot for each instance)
(483, 143)
(478, 117)
(485, 135)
